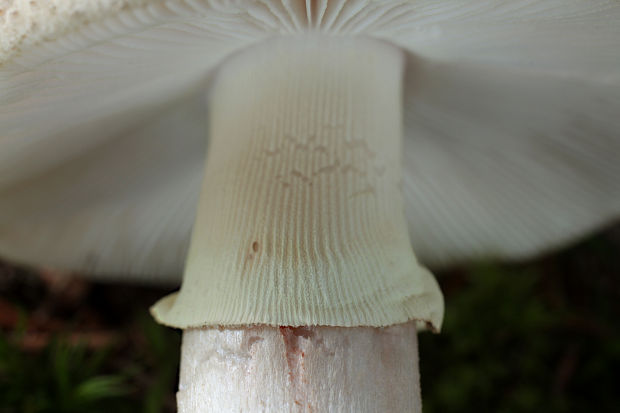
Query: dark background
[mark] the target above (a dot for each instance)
(541, 336)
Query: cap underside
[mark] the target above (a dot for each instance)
(512, 133)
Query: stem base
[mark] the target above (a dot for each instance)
(300, 369)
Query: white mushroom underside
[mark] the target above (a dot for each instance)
(511, 126)
(305, 369)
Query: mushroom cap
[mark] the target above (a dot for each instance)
(512, 132)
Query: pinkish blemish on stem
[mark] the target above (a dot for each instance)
(290, 336)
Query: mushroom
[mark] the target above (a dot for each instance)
(299, 276)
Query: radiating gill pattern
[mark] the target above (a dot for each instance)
(48, 29)
(37, 30)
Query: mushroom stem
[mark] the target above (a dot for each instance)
(300, 223)
(300, 219)
(300, 369)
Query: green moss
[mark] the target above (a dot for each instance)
(68, 378)
(541, 337)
